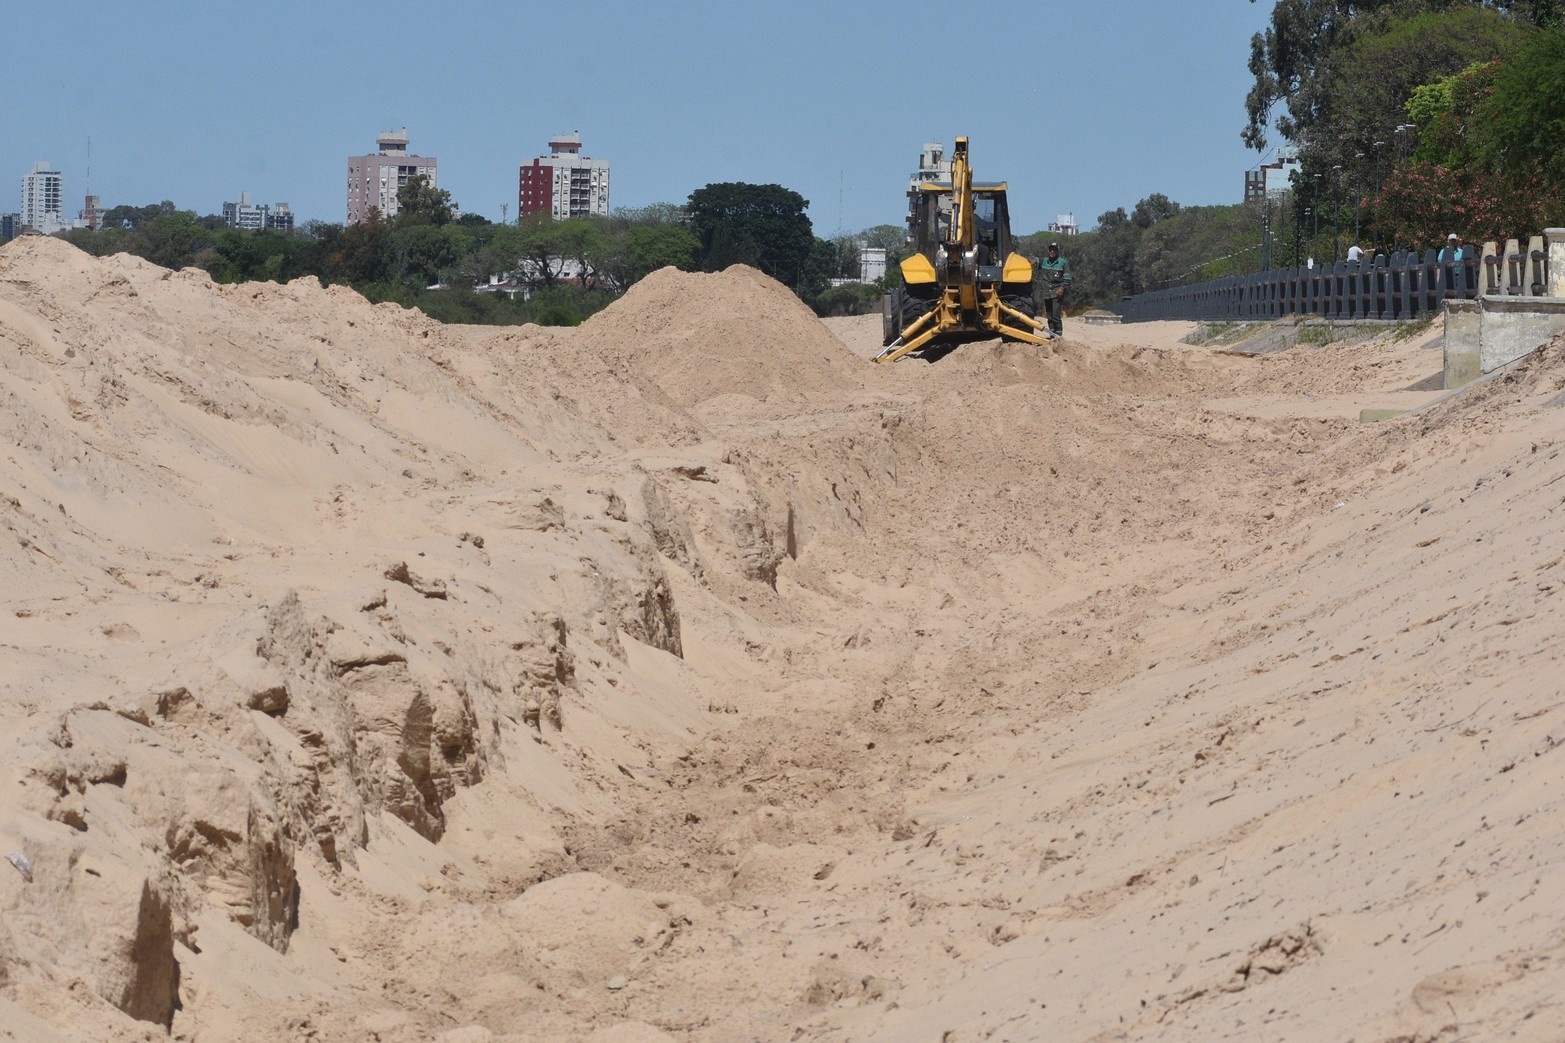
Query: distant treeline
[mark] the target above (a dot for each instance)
(469, 269)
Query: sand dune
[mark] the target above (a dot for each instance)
(688, 676)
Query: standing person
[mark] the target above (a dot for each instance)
(1055, 272)
(1453, 250)
(1355, 252)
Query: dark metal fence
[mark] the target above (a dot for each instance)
(1402, 286)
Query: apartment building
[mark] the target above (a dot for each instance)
(245, 214)
(373, 180)
(564, 183)
(43, 199)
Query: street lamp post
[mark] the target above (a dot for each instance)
(1378, 146)
(1294, 207)
(1358, 191)
(1309, 248)
(1405, 141)
(1315, 201)
(1336, 210)
(1266, 233)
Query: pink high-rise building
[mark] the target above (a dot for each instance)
(373, 181)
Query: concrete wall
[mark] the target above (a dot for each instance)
(1491, 332)
(1462, 336)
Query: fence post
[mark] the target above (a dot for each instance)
(1407, 282)
(1491, 268)
(1555, 283)
(1513, 275)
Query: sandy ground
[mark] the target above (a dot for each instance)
(686, 676)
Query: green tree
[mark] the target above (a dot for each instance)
(1447, 115)
(539, 251)
(818, 270)
(422, 252)
(1154, 208)
(649, 247)
(890, 238)
(1103, 260)
(362, 253)
(1302, 63)
(172, 240)
(125, 216)
(764, 226)
(1374, 77)
(1522, 124)
(653, 214)
(420, 202)
(584, 243)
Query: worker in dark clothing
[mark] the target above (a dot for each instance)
(1054, 273)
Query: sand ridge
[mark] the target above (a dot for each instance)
(688, 676)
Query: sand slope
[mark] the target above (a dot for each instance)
(687, 676)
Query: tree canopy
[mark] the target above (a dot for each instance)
(764, 226)
(1308, 52)
(419, 202)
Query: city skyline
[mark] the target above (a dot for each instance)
(1081, 110)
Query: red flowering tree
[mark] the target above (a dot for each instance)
(1490, 163)
(1421, 203)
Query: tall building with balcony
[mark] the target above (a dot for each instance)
(564, 183)
(43, 197)
(373, 181)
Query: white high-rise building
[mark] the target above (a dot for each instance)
(564, 183)
(245, 214)
(373, 181)
(932, 165)
(43, 199)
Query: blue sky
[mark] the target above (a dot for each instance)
(1081, 106)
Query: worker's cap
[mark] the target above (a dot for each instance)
(1054, 246)
(1450, 237)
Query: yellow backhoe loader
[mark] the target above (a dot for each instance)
(964, 275)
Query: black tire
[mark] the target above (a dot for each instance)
(1022, 303)
(891, 316)
(898, 310)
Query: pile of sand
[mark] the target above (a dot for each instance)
(697, 337)
(688, 676)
